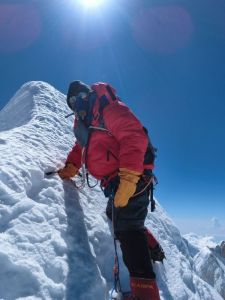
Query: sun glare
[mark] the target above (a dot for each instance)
(92, 3)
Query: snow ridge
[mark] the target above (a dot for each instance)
(55, 239)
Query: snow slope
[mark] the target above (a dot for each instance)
(55, 240)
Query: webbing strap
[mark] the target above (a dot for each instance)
(98, 128)
(112, 95)
(151, 197)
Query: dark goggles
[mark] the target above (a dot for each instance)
(75, 101)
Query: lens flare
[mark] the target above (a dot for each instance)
(20, 26)
(163, 29)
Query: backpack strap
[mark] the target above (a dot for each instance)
(106, 95)
(150, 154)
(111, 92)
(152, 201)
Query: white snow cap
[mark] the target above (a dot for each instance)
(55, 240)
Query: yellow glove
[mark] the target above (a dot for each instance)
(68, 171)
(127, 187)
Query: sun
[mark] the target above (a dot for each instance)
(92, 3)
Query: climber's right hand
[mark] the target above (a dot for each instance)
(68, 171)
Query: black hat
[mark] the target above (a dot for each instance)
(77, 87)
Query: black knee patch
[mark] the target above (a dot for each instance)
(136, 253)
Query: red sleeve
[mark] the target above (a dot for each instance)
(129, 133)
(75, 155)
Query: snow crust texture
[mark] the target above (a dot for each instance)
(55, 240)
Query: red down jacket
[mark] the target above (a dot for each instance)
(122, 146)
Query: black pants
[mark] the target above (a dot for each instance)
(129, 229)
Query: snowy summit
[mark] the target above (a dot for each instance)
(55, 239)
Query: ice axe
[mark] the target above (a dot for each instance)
(71, 180)
(51, 173)
(56, 172)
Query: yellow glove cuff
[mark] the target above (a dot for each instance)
(127, 187)
(129, 175)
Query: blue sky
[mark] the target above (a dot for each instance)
(167, 61)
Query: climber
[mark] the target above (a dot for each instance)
(112, 144)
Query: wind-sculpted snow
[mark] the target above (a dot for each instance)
(37, 239)
(55, 240)
(33, 100)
